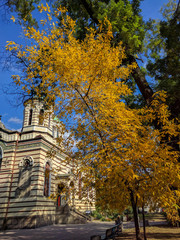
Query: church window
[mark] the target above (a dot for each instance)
(61, 188)
(47, 180)
(71, 184)
(57, 135)
(41, 117)
(1, 156)
(80, 186)
(30, 116)
(49, 120)
(54, 132)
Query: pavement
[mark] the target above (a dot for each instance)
(150, 223)
(58, 232)
(66, 232)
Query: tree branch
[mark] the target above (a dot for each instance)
(90, 11)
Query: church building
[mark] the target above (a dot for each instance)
(27, 179)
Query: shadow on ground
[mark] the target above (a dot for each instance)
(161, 232)
(58, 232)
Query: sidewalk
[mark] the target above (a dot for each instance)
(58, 232)
(68, 232)
(150, 223)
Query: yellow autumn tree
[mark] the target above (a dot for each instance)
(121, 154)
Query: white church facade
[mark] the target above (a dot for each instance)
(26, 177)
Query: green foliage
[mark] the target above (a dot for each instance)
(24, 9)
(97, 215)
(107, 215)
(127, 24)
(124, 16)
(163, 45)
(128, 210)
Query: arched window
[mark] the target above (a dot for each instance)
(41, 117)
(80, 186)
(61, 188)
(1, 156)
(62, 194)
(54, 132)
(30, 116)
(57, 135)
(47, 180)
(49, 120)
(71, 184)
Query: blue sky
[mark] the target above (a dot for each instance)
(12, 116)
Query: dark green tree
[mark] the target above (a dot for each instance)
(164, 53)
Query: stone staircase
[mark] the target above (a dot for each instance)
(66, 215)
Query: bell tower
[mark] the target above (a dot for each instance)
(36, 116)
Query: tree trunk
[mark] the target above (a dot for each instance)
(141, 82)
(144, 223)
(135, 213)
